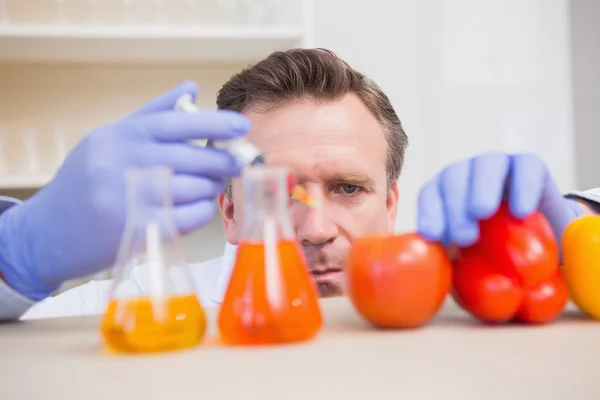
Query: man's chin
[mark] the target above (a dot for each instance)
(328, 288)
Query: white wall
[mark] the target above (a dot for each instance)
(465, 76)
(585, 37)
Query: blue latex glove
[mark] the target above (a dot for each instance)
(73, 226)
(451, 204)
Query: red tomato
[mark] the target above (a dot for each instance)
(397, 281)
(512, 272)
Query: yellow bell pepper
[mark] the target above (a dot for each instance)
(581, 263)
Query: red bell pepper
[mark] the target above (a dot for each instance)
(512, 272)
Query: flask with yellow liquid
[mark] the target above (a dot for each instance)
(168, 315)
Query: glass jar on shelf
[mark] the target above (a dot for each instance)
(31, 153)
(3, 154)
(4, 16)
(258, 12)
(18, 152)
(192, 12)
(227, 12)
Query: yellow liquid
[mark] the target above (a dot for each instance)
(144, 325)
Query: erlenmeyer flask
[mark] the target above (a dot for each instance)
(168, 316)
(271, 297)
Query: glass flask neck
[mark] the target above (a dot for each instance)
(148, 190)
(150, 225)
(266, 198)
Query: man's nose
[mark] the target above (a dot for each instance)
(313, 227)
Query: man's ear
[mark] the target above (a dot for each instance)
(228, 218)
(391, 204)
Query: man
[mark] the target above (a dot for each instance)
(339, 133)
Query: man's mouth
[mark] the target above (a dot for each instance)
(329, 281)
(326, 273)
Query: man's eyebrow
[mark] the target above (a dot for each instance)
(359, 179)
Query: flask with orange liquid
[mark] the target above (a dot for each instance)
(168, 316)
(271, 298)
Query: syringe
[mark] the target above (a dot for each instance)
(240, 148)
(244, 151)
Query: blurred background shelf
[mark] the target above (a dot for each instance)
(30, 43)
(24, 182)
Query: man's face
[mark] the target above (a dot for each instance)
(337, 150)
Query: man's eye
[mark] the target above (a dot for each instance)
(349, 189)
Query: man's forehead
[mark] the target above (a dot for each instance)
(305, 133)
(309, 150)
(296, 122)
(317, 127)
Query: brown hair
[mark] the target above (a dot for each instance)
(319, 74)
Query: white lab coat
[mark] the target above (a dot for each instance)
(210, 279)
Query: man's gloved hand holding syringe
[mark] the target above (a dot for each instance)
(72, 227)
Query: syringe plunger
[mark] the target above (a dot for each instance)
(240, 148)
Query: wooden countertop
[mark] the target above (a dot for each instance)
(452, 358)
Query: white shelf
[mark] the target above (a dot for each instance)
(143, 44)
(24, 182)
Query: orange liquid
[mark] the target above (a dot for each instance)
(249, 316)
(145, 326)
